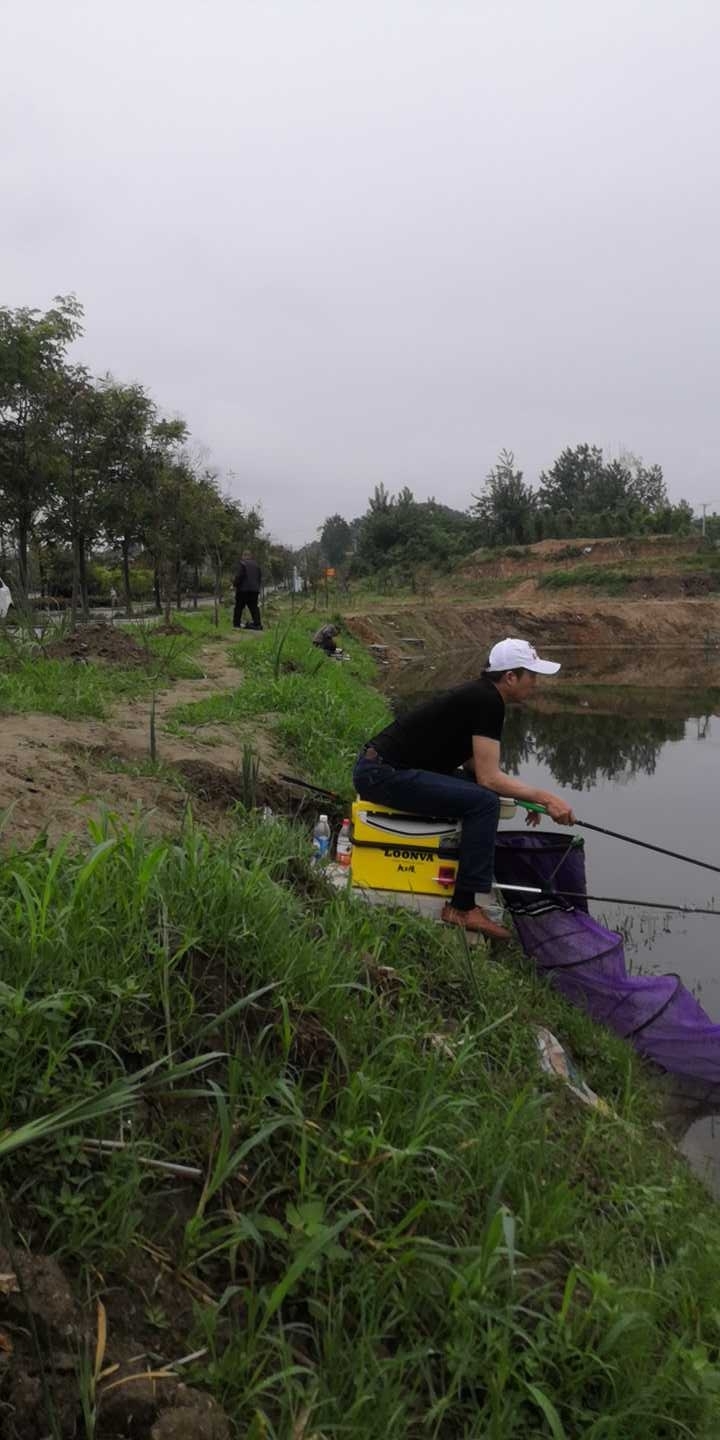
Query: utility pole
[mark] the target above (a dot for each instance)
(703, 506)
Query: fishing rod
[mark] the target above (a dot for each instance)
(550, 894)
(630, 840)
(306, 785)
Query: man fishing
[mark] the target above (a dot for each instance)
(410, 766)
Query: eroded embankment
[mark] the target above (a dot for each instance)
(599, 623)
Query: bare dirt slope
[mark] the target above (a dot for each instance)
(445, 622)
(57, 773)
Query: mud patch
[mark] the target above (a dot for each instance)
(40, 1374)
(172, 628)
(221, 788)
(99, 642)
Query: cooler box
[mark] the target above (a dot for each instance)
(413, 853)
(396, 851)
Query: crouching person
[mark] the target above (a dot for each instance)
(324, 639)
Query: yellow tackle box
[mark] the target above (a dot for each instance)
(414, 853)
(395, 851)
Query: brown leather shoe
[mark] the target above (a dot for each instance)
(476, 920)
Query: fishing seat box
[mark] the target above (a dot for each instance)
(417, 854)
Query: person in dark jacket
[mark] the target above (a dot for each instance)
(247, 588)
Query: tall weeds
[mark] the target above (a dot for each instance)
(401, 1227)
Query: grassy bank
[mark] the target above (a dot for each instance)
(392, 1225)
(402, 1228)
(608, 579)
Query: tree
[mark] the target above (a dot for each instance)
(32, 356)
(646, 483)
(75, 468)
(129, 417)
(571, 482)
(583, 494)
(335, 539)
(507, 505)
(167, 510)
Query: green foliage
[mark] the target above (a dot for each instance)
(507, 506)
(409, 539)
(604, 578)
(581, 494)
(402, 1227)
(88, 462)
(335, 539)
(32, 360)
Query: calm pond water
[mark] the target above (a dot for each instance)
(644, 759)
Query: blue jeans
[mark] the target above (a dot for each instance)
(424, 792)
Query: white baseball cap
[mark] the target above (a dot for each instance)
(512, 654)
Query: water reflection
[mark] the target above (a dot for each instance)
(582, 749)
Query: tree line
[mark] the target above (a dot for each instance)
(89, 465)
(581, 494)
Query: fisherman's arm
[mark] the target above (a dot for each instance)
(486, 760)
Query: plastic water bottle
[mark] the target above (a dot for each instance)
(343, 849)
(321, 840)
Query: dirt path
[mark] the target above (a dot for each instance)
(56, 774)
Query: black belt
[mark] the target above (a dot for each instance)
(369, 752)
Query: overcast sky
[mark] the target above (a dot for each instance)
(361, 242)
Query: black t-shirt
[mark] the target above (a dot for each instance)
(438, 735)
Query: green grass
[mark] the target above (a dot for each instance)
(321, 711)
(60, 687)
(401, 1228)
(612, 580)
(31, 682)
(404, 1229)
(594, 577)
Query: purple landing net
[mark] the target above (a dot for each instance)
(586, 962)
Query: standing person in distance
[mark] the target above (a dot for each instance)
(411, 765)
(248, 581)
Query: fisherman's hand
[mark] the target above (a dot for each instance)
(532, 818)
(559, 810)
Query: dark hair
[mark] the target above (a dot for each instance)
(495, 675)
